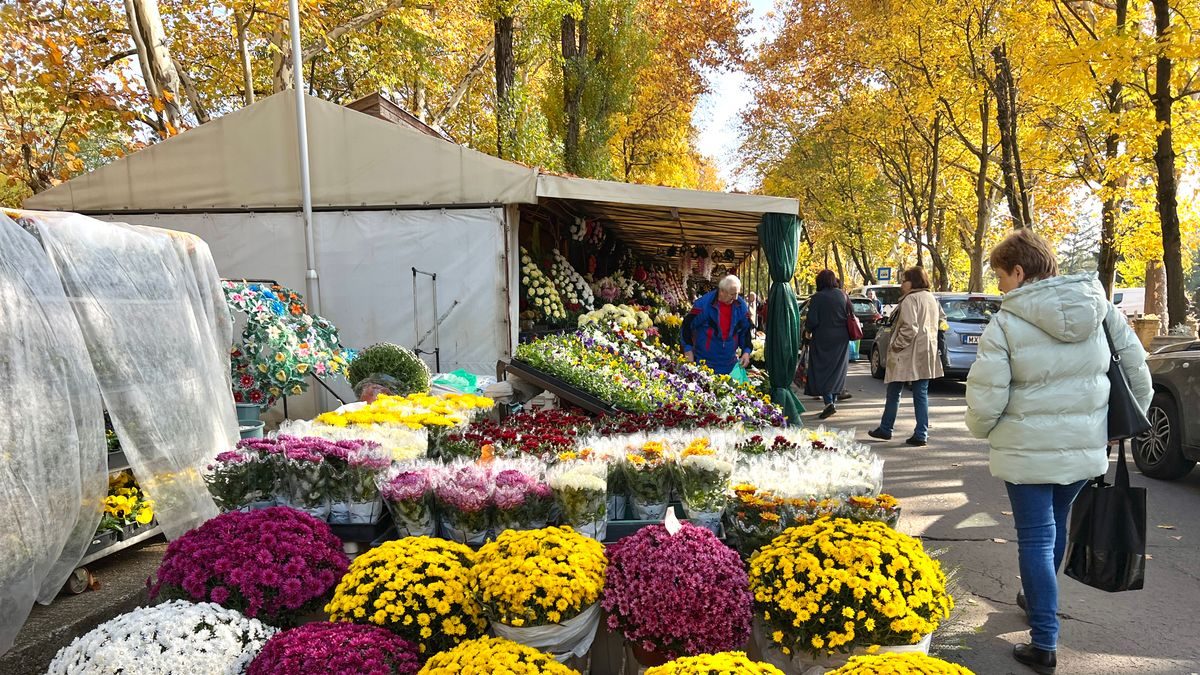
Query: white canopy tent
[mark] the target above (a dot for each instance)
(386, 199)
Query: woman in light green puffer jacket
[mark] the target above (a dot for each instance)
(1038, 391)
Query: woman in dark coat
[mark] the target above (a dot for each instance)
(828, 341)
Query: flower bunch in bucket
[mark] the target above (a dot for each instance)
(520, 495)
(704, 479)
(463, 495)
(541, 588)
(648, 476)
(407, 489)
(581, 492)
(354, 468)
(229, 479)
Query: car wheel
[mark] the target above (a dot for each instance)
(877, 368)
(1158, 452)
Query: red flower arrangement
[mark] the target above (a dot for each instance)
(543, 434)
(677, 595)
(337, 649)
(274, 565)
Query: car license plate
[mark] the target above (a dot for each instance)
(970, 339)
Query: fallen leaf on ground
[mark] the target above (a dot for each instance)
(998, 540)
(1149, 557)
(1177, 538)
(1006, 513)
(1166, 527)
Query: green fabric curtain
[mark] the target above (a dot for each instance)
(778, 234)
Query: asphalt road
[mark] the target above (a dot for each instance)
(950, 499)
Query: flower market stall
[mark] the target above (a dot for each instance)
(115, 323)
(387, 198)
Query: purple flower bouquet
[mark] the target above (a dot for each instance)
(407, 491)
(337, 649)
(305, 478)
(228, 479)
(274, 565)
(464, 495)
(522, 501)
(262, 471)
(677, 595)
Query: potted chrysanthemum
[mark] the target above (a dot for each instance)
(542, 588)
(895, 663)
(678, 594)
(835, 587)
(496, 656)
(724, 663)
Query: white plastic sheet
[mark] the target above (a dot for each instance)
(139, 307)
(572, 637)
(52, 451)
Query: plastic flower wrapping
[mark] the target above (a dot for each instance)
(407, 489)
(574, 290)
(704, 476)
(581, 491)
(401, 442)
(521, 497)
(835, 585)
(282, 345)
(353, 474)
(495, 656)
(418, 588)
(677, 594)
(648, 477)
(276, 564)
(538, 577)
(174, 637)
(337, 649)
(908, 663)
(640, 376)
(415, 411)
(540, 295)
(724, 663)
(126, 505)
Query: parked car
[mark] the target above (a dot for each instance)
(864, 309)
(967, 315)
(1172, 446)
(1131, 301)
(888, 295)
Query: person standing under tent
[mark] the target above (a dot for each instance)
(752, 305)
(717, 327)
(829, 342)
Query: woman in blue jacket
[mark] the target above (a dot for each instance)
(717, 326)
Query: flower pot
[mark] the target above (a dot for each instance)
(570, 639)
(248, 412)
(1146, 330)
(251, 429)
(648, 658)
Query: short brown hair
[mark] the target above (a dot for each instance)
(915, 276)
(1024, 247)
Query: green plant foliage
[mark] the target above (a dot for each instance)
(389, 359)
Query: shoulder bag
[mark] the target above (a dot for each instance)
(1126, 418)
(853, 325)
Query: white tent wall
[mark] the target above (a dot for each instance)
(365, 261)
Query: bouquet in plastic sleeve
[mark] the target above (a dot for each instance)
(464, 495)
(648, 475)
(580, 490)
(305, 477)
(754, 517)
(704, 476)
(884, 508)
(610, 452)
(408, 492)
(522, 498)
(228, 479)
(802, 511)
(264, 473)
(354, 470)
(541, 588)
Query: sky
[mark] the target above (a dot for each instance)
(716, 116)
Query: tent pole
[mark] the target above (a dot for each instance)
(311, 280)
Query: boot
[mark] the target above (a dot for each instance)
(1041, 661)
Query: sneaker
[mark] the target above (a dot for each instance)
(1040, 660)
(876, 433)
(828, 411)
(919, 442)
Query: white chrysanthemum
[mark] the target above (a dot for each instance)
(171, 638)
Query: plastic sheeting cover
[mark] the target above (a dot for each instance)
(139, 306)
(52, 450)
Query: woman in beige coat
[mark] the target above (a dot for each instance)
(912, 354)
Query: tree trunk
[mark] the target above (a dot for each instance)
(506, 75)
(241, 24)
(931, 205)
(158, 69)
(460, 91)
(574, 54)
(837, 259)
(1005, 90)
(281, 61)
(1106, 266)
(193, 94)
(1164, 162)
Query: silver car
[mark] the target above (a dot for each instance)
(1172, 446)
(967, 315)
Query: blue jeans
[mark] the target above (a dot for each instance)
(1041, 513)
(920, 392)
(829, 399)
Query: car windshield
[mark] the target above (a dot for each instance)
(970, 310)
(889, 295)
(863, 306)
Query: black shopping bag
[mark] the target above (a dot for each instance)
(1106, 548)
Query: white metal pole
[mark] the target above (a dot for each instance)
(312, 282)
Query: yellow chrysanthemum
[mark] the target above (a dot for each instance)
(725, 663)
(495, 656)
(899, 664)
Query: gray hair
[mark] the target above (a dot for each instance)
(731, 283)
